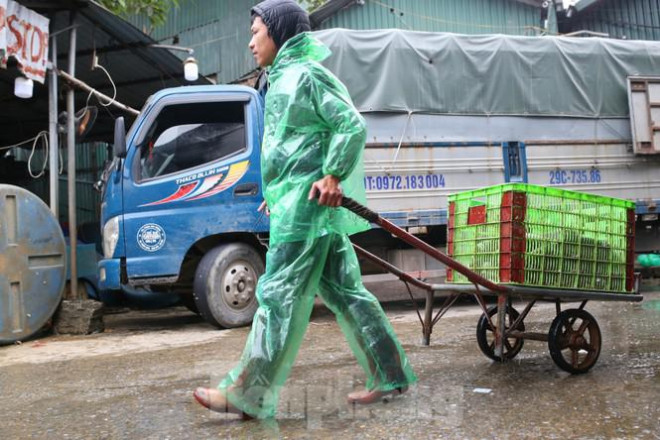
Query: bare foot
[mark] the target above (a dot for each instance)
(365, 396)
(216, 401)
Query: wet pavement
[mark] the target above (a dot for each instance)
(135, 382)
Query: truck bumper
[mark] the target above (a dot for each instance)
(109, 274)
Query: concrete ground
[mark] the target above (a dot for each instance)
(135, 381)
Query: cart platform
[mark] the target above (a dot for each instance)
(574, 337)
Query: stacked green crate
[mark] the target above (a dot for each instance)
(478, 246)
(552, 237)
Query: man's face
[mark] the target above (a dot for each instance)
(262, 45)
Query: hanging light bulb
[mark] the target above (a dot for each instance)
(190, 69)
(23, 87)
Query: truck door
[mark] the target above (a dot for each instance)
(193, 172)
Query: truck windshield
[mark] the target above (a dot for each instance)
(185, 136)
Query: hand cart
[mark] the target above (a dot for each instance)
(574, 337)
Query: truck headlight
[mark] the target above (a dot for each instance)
(110, 237)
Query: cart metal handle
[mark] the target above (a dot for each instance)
(373, 217)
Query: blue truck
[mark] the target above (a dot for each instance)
(179, 208)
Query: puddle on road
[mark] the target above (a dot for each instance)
(148, 395)
(653, 304)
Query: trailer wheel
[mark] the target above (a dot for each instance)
(574, 341)
(486, 335)
(225, 285)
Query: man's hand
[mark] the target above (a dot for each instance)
(328, 190)
(264, 208)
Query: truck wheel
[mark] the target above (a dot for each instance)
(225, 285)
(188, 301)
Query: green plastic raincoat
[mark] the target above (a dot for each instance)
(311, 130)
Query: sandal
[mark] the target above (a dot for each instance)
(366, 397)
(215, 401)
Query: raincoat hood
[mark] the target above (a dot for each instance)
(302, 47)
(283, 18)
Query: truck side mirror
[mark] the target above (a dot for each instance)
(119, 149)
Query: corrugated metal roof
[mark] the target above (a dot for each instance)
(136, 69)
(329, 9)
(630, 19)
(584, 4)
(218, 31)
(467, 16)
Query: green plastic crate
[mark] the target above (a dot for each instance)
(544, 237)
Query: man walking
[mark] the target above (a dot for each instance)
(312, 147)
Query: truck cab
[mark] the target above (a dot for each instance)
(179, 211)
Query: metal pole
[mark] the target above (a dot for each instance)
(500, 326)
(52, 130)
(75, 82)
(427, 326)
(71, 162)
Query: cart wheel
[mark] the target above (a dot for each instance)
(574, 341)
(486, 335)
